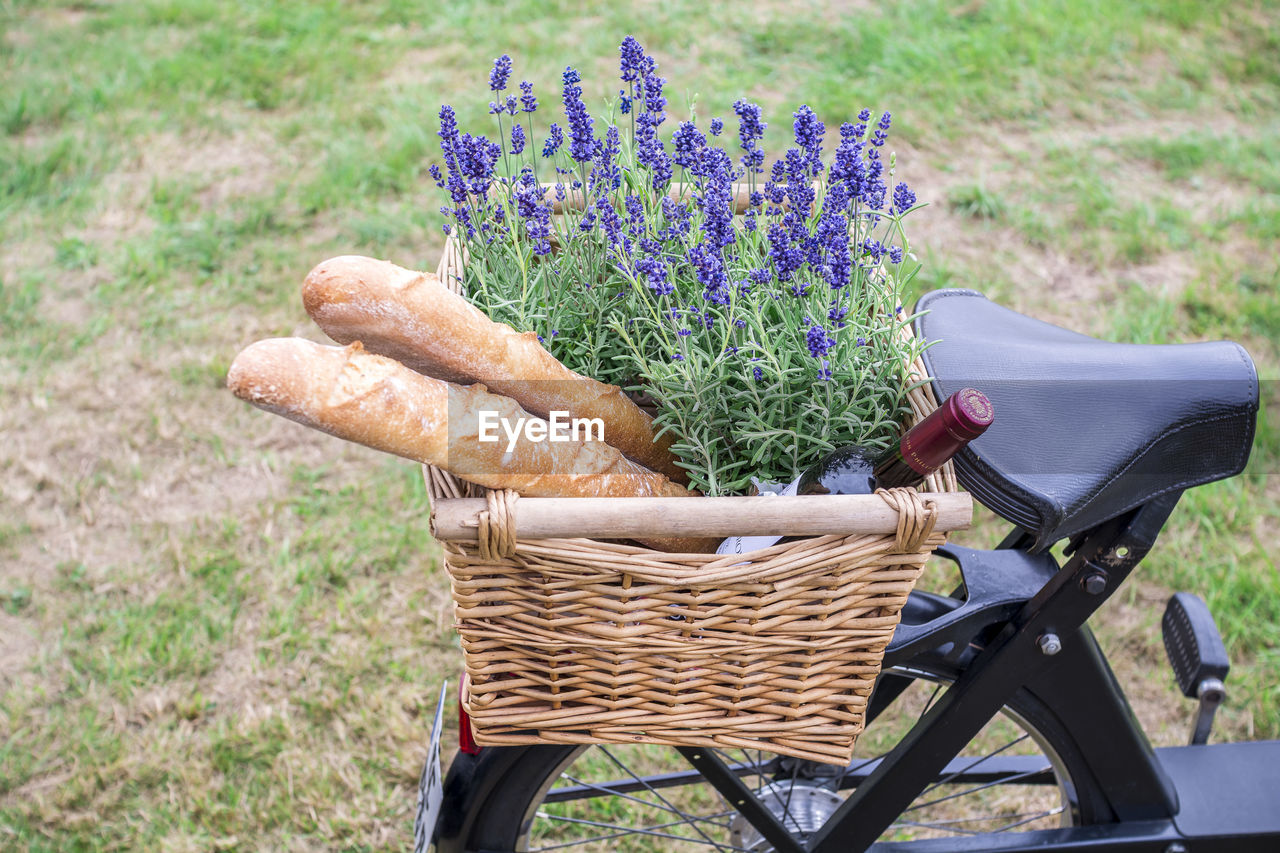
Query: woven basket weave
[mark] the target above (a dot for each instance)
(583, 641)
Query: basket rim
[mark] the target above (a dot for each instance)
(459, 519)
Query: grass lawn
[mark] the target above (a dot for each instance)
(219, 630)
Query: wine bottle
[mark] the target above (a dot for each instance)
(923, 449)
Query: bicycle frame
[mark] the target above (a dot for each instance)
(999, 636)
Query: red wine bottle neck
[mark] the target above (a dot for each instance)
(928, 445)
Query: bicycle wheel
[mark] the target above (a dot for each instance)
(1021, 772)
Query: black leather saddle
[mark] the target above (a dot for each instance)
(1085, 429)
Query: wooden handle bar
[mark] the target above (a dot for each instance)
(654, 518)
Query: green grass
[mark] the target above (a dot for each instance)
(229, 634)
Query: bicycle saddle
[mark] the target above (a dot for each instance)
(1085, 429)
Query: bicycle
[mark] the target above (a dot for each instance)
(996, 723)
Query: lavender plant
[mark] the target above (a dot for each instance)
(759, 310)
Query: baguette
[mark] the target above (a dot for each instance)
(411, 317)
(380, 403)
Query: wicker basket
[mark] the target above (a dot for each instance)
(570, 640)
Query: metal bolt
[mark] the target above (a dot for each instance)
(1176, 847)
(1095, 584)
(1049, 644)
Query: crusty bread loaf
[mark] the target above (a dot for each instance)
(382, 404)
(411, 317)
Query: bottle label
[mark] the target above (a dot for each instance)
(743, 544)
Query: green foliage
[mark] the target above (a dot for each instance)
(765, 341)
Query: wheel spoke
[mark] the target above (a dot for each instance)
(945, 779)
(975, 789)
(950, 825)
(611, 792)
(687, 818)
(1047, 813)
(927, 705)
(623, 831)
(676, 809)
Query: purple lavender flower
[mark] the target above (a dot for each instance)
(717, 126)
(448, 134)
(452, 146)
(500, 74)
(832, 237)
(837, 313)
(684, 333)
(809, 132)
(476, 157)
(655, 103)
(606, 174)
(528, 102)
(653, 269)
(775, 187)
(859, 167)
(757, 374)
(824, 375)
(677, 357)
(462, 215)
(717, 203)
(786, 257)
(517, 139)
(611, 223)
(750, 131)
(633, 60)
(624, 102)
(532, 208)
(581, 139)
(636, 221)
(881, 133)
(873, 186)
(555, 139)
(678, 217)
(688, 142)
(799, 182)
(708, 265)
(587, 223)
(895, 254)
(903, 198)
(512, 105)
(650, 153)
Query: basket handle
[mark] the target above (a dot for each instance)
(901, 513)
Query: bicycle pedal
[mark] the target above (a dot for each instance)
(1198, 657)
